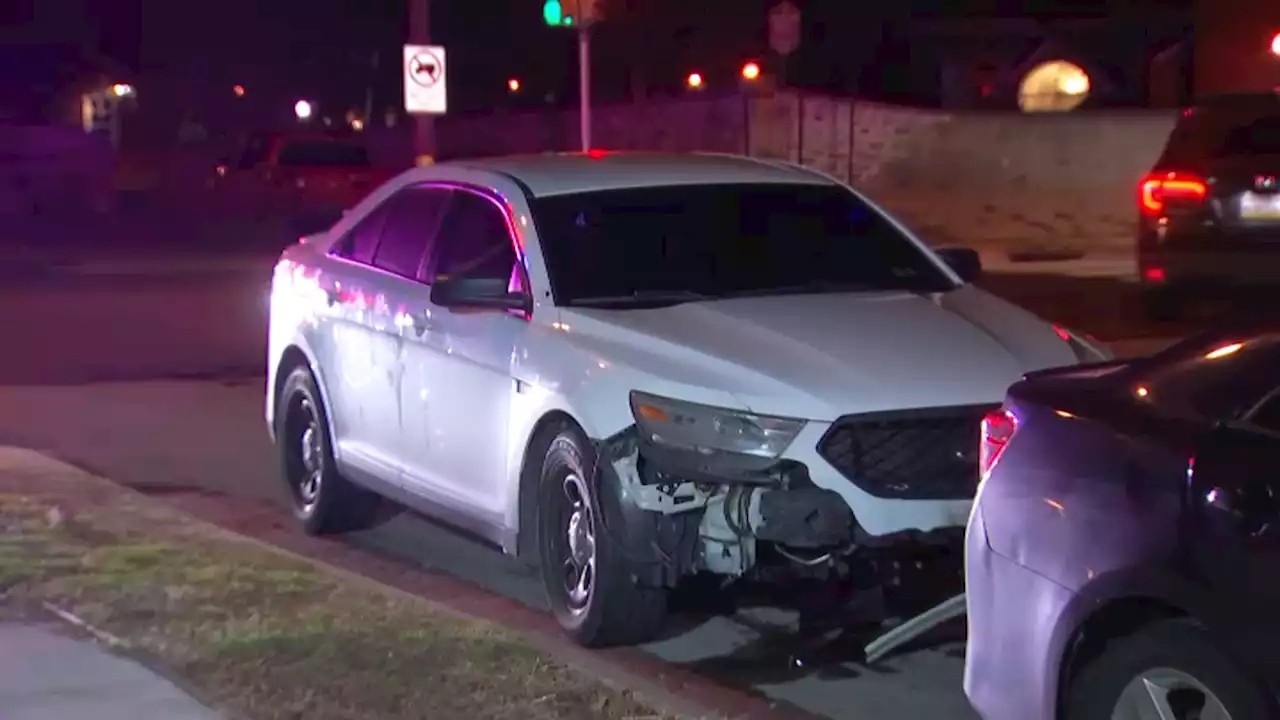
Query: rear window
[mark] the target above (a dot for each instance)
(1261, 137)
(1210, 133)
(1216, 376)
(322, 154)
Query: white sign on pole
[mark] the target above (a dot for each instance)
(784, 28)
(424, 79)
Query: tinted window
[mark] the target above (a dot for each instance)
(722, 240)
(474, 241)
(413, 216)
(1261, 137)
(1207, 133)
(1213, 376)
(362, 240)
(320, 153)
(1267, 416)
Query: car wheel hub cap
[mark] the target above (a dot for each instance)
(1168, 694)
(312, 464)
(580, 566)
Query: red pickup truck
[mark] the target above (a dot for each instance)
(296, 173)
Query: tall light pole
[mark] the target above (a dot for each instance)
(424, 127)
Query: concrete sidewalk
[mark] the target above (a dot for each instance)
(47, 675)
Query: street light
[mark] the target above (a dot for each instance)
(694, 81)
(751, 71)
(1275, 44)
(513, 84)
(121, 90)
(303, 110)
(238, 90)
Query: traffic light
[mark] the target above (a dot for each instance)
(568, 13)
(552, 13)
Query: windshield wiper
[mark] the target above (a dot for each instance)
(815, 286)
(644, 296)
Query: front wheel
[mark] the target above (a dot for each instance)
(1170, 670)
(586, 571)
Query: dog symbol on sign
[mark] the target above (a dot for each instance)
(424, 69)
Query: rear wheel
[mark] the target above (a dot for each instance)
(587, 574)
(322, 500)
(1168, 670)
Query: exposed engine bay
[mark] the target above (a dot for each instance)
(756, 520)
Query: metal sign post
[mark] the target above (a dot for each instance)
(584, 86)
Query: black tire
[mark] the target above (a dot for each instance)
(615, 610)
(322, 500)
(1178, 645)
(1164, 304)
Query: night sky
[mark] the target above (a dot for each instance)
(325, 48)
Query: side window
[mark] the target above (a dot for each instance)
(474, 243)
(412, 221)
(361, 241)
(1267, 415)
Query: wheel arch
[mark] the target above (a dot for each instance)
(291, 358)
(1116, 617)
(526, 544)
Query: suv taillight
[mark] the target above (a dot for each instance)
(998, 428)
(1159, 189)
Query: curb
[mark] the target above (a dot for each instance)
(668, 687)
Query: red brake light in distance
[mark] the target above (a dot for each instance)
(1158, 189)
(998, 428)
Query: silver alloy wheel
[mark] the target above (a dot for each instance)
(580, 531)
(1168, 694)
(311, 454)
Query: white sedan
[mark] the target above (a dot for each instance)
(631, 368)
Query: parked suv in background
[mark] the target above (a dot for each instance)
(1209, 210)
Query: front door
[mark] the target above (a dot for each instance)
(458, 385)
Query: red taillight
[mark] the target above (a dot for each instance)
(1159, 189)
(998, 428)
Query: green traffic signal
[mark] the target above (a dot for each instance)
(552, 13)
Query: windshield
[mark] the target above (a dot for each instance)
(322, 154)
(714, 241)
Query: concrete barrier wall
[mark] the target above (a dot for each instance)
(1043, 184)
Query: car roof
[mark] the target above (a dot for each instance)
(563, 173)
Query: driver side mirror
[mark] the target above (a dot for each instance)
(963, 261)
(477, 294)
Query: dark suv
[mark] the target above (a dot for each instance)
(1209, 211)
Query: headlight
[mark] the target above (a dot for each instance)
(1087, 349)
(707, 429)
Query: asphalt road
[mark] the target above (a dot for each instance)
(156, 381)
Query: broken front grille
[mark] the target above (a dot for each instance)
(927, 454)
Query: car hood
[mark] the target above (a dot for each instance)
(825, 355)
